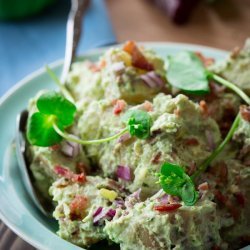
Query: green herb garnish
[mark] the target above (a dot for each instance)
(53, 109)
(175, 181)
(187, 72)
(55, 113)
(139, 123)
(61, 86)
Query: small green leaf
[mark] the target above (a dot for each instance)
(40, 130)
(52, 103)
(139, 123)
(175, 181)
(186, 72)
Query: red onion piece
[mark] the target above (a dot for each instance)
(124, 173)
(164, 199)
(124, 138)
(119, 203)
(152, 79)
(103, 213)
(98, 211)
(70, 149)
(132, 199)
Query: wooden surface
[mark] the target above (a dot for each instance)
(224, 25)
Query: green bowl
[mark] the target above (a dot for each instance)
(18, 9)
(16, 208)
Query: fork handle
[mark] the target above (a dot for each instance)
(73, 33)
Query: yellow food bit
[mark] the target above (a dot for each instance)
(124, 57)
(108, 194)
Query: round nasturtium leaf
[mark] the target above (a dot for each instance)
(175, 181)
(53, 103)
(186, 72)
(188, 194)
(40, 131)
(139, 123)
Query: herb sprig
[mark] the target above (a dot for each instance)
(55, 113)
(186, 72)
(175, 181)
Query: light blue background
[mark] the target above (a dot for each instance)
(29, 44)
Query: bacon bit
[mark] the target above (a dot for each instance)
(177, 112)
(167, 207)
(220, 197)
(223, 173)
(192, 168)
(203, 186)
(102, 64)
(235, 52)
(204, 107)
(245, 112)
(80, 167)
(138, 59)
(240, 199)
(55, 147)
(94, 68)
(119, 106)
(77, 207)
(156, 158)
(191, 142)
(207, 61)
(68, 174)
(148, 106)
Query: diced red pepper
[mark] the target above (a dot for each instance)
(168, 207)
(78, 207)
(119, 106)
(138, 59)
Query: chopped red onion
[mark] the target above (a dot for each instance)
(118, 67)
(70, 149)
(119, 203)
(210, 140)
(152, 79)
(103, 213)
(132, 199)
(124, 173)
(136, 194)
(124, 138)
(110, 214)
(164, 199)
(97, 211)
